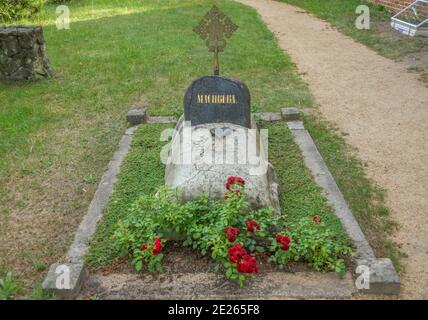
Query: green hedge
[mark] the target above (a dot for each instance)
(58, 1)
(11, 10)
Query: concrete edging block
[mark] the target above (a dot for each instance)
(269, 116)
(65, 279)
(209, 285)
(137, 115)
(290, 114)
(162, 119)
(383, 279)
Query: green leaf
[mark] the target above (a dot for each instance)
(139, 265)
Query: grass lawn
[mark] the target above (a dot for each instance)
(142, 172)
(57, 135)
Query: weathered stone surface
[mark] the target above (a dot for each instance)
(290, 114)
(162, 119)
(383, 277)
(269, 116)
(65, 279)
(269, 285)
(201, 164)
(22, 54)
(295, 125)
(137, 115)
(215, 99)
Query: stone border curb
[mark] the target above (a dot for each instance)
(383, 276)
(74, 264)
(269, 116)
(162, 119)
(139, 115)
(213, 286)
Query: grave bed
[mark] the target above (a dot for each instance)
(142, 173)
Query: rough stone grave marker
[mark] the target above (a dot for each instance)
(22, 54)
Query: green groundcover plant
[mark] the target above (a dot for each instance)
(8, 287)
(235, 235)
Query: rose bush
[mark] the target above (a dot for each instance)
(234, 235)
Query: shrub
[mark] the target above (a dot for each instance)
(11, 10)
(314, 244)
(230, 231)
(59, 1)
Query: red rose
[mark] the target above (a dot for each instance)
(316, 219)
(236, 253)
(252, 225)
(284, 241)
(232, 180)
(239, 181)
(158, 246)
(143, 247)
(248, 265)
(232, 233)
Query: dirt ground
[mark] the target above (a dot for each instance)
(180, 259)
(414, 62)
(384, 110)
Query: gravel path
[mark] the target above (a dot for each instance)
(382, 107)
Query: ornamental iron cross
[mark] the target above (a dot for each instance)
(213, 28)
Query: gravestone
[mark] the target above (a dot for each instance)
(217, 136)
(214, 99)
(201, 158)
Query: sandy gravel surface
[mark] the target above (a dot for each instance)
(384, 110)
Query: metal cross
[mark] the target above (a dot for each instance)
(213, 28)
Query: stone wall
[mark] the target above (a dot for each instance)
(22, 54)
(393, 5)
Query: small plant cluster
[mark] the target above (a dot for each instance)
(8, 287)
(230, 231)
